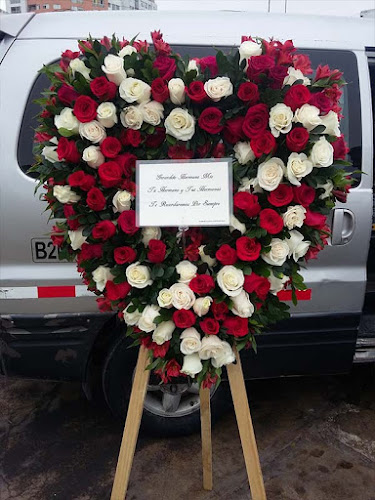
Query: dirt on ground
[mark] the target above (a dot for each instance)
(316, 439)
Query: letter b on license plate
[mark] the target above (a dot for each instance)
(42, 250)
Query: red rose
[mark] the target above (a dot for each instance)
(195, 234)
(219, 150)
(219, 310)
(322, 102)
(281, 196)
(110, 147)
(67, 94)
(183, 318)
(210, 63)
(130, 137)
(103, 230)
(179, 151)
(248, 92)
(126, 222)
(263, 144)
(66, 57)
(126, 161)
(297, 139)
(233, 130)
(71, 217)
(271, 221)
(210, 119)
(202, 284)
(103, 89)
(85, 109)
(256, 120)
(297, 96)
(277, 74)
(57, 236)
(248, 249)
(191, 252)
(154, 140)
(226, 255)
(156, 252)
(110, 174)
(173, 368)
(124, 255)
(257, 284)
(236, 326)
(304, 195)
(91, 251)
(247, 202)
(95, 199)
(166, 66)
(196, 91)
(104, 305)
(42, 137)
(67, 150)
(81, 180)
(210, 326)
(340, 148)
(315, 219)
(117, 292)
(160, 351)
(159, 90)
(258, 65)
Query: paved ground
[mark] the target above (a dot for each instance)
(316, 439)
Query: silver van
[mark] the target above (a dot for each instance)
(50, 325)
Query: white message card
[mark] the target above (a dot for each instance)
(180, 193)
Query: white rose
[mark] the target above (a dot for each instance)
(278, 253)
(277, 284)
(163, 332)
(64, 194)
(298, 166)
(93, 156)
(186, 270)
(76, 239)
(121, 201)
(93, 131)
(191, 365)
(270, 173)
(192, 66)
(146, 321)
(242, 306)
(230, 280)
(152, 112)
(218, 87)
(190, 341)
(138, 276)
(67, 120)
(294, 75)
(50, 154)
(328, 186)
(250, 185)
(297, 245)
(150, 233)
(249, 49)
(176, 89)
(202, 305)
(78, 66)
(211, 262)
(134, 90)
(308, 115)
(131, 318)
(182, 296)
(101, 275)
(236, 225)
(243, 152)
(223, 357)
(280, 120)
(322, 153)
(106, 114)
(331, 123)
(165, 298)
(294, 216)
(180, 124)
(113, 67)
(128, 50)
(131, 117)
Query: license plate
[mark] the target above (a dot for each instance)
(42, 250)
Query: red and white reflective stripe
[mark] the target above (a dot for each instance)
(44, 292)
(286, 295)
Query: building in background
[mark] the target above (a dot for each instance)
(131, 5)
(15, 6)
(40, 6)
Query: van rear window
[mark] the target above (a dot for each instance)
(344, 60)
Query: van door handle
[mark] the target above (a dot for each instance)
(343, 225)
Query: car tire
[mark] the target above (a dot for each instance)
(117, 378)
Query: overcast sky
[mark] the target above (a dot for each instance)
(328, 7)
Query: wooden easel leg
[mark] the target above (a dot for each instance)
(245, 428)
(204, 395)
(133, 421)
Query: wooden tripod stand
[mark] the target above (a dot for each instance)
(244, 423)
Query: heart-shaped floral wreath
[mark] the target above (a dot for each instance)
(190, 299)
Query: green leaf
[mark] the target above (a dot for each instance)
(65, 132)
(318, 130)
